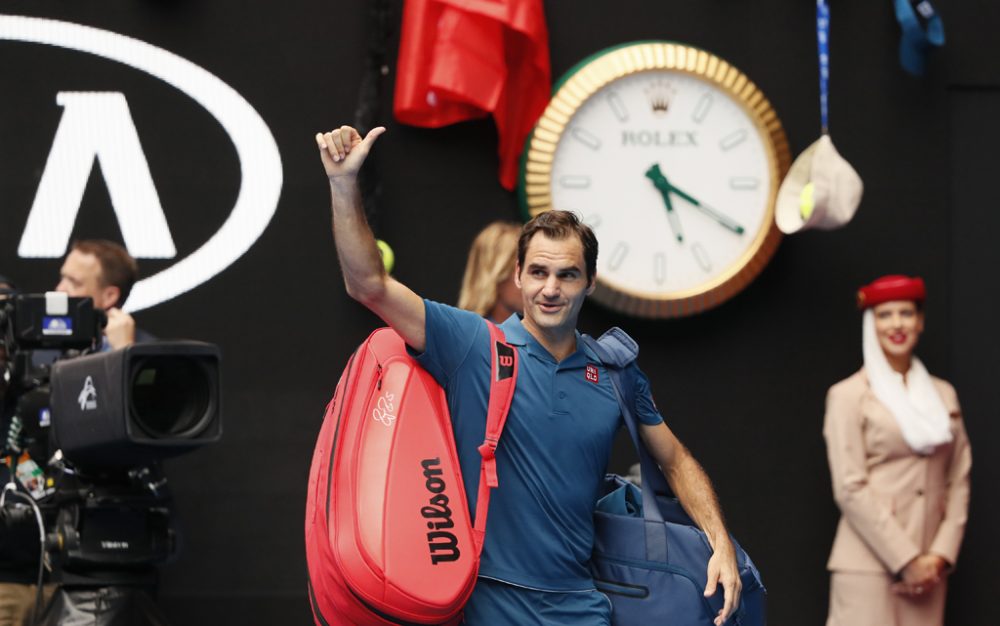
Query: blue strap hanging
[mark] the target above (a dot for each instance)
(823, 45)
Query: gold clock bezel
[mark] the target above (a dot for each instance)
(603, 68)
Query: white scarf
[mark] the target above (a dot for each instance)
(916, 405)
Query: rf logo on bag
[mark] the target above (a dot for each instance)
(385, 410)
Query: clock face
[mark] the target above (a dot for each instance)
(675, 172)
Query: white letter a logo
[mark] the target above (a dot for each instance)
(96, 125)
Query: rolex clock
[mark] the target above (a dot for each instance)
(673, 157)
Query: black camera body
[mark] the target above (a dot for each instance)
(137, 405)
(112, 416)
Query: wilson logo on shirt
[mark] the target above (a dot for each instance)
(591, 373)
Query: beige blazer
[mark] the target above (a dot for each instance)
(895, 503)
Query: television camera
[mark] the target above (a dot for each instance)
(84, 431)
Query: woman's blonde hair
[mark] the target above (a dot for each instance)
(491, 261)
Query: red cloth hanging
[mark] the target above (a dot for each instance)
(466, 59)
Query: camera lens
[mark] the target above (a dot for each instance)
(170, 396)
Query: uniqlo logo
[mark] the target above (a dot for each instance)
(592, 373)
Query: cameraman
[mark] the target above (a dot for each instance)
(105, 272)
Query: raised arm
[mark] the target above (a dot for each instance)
(694, 490)
(343, 151)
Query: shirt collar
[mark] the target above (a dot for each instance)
(517, 335)
(515, 332)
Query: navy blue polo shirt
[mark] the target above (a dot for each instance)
(553, 452)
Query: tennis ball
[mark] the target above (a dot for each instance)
(806, 201)
(388, 257)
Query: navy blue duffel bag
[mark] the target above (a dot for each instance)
(655, 571)
(649, 557)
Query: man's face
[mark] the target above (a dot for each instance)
(80, 277)
(553, 283)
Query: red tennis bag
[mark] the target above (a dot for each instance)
(389, 539)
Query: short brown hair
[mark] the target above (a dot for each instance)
(560, 225)
(118, 268)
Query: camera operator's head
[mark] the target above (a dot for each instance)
(101, 269)
(104, 271)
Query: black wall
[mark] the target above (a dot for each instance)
(742, 385)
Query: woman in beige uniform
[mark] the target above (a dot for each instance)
(899, 459)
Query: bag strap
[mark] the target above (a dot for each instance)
(503, 377)
(618, 351)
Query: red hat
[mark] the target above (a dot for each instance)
(889, 288)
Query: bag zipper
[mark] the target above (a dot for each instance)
(315, 604)
(638, 592)
(385, 616)
(663, 567)
(507, 582)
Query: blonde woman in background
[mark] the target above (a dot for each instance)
(488, 284)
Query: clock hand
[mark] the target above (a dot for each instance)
(660, 182)
(715, 214)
